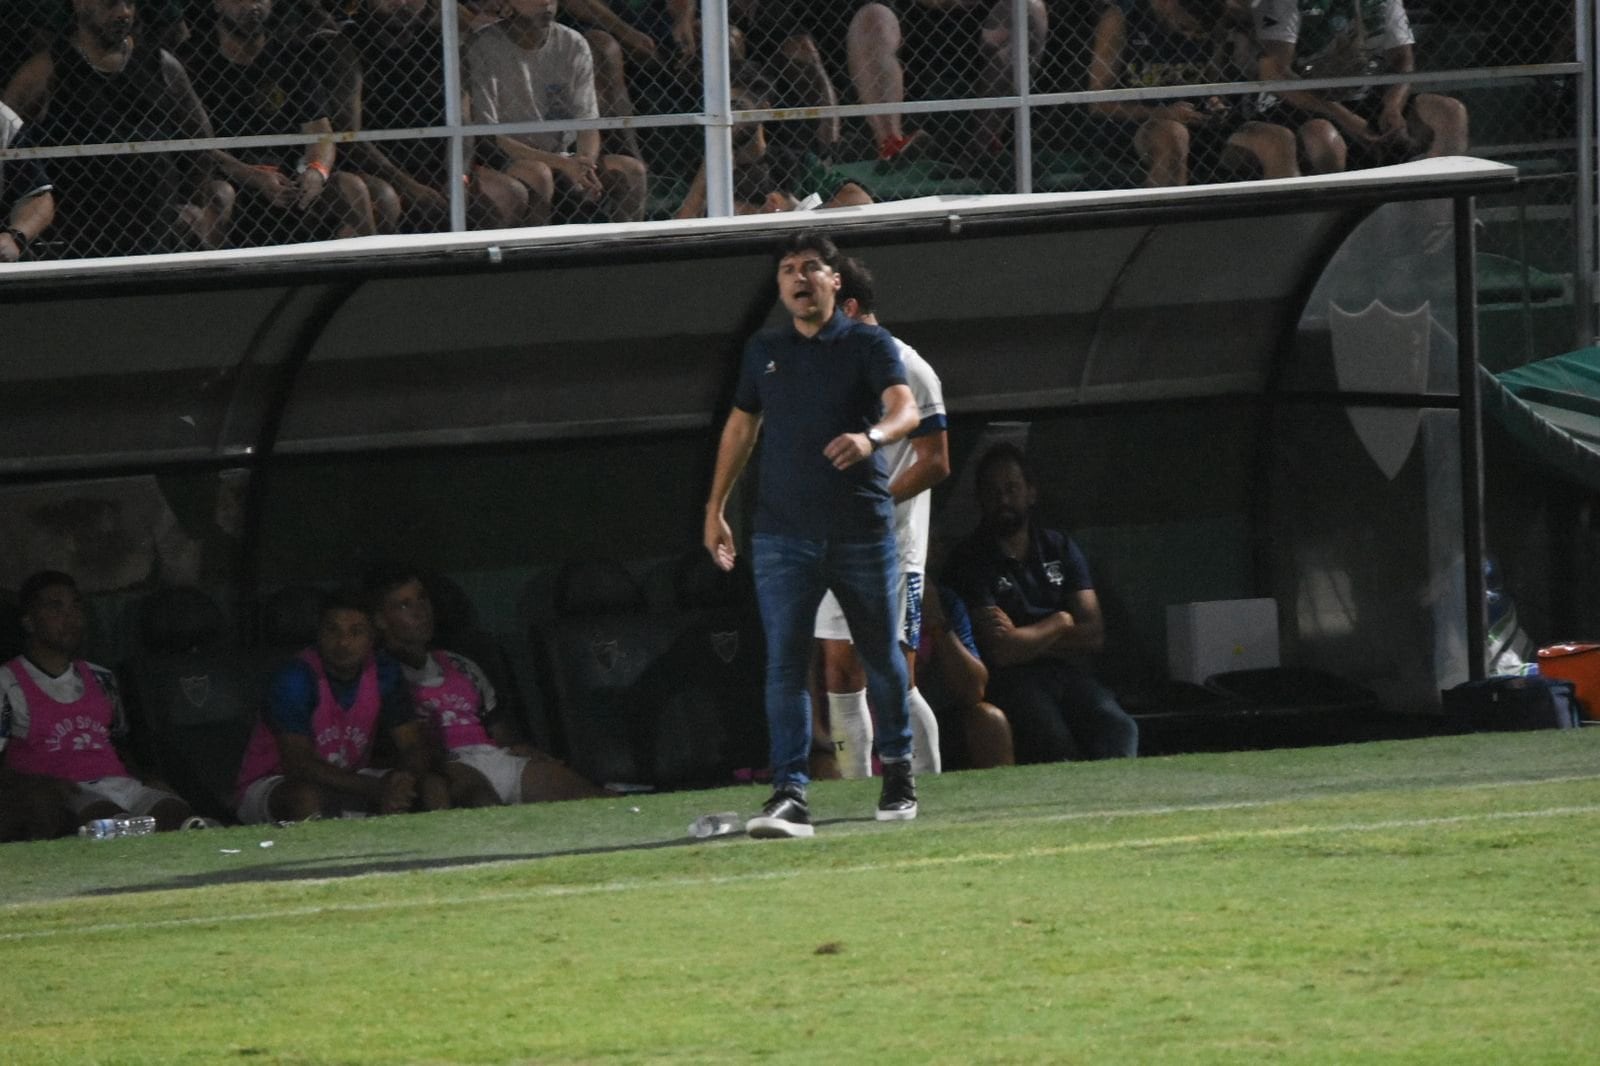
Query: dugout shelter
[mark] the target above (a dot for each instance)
(1253, 390)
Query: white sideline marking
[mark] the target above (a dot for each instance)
(557, 891)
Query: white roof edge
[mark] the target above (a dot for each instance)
(1445, 171)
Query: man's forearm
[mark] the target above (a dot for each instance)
(900, 413)
(1025, 644)
(334, 778)
(33, 216)
(733, 452)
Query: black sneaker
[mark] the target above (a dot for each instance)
(898, 800)
(785, 815)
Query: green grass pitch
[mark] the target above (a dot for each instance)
(1419, 901)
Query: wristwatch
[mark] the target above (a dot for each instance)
(877, 437)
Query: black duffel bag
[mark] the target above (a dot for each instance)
(1512, 703)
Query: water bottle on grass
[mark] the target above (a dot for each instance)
(716, 825)
(123, 825)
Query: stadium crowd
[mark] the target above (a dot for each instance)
(110, 72)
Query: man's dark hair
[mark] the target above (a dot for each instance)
(28, 595)
(384, 579)
(343, 598)
(808, 241)
(1002, 452)
(855, 283)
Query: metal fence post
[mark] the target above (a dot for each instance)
(719, 108)
(1471, 434)
(1586, 281)
(1022, 83)
(450, 35)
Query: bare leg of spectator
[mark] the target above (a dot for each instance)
(347, 198)
(1443, 124)
(1266, 147)
(624, 179)
(1323, 147)
(1163, 147)
(387, 209)
(541, 186)
(873, 43)
(810, 78)
(208, 221)
(611, 90)
(497, 200)
(997, 75)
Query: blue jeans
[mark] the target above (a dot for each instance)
(1057, 711)
(791, 575)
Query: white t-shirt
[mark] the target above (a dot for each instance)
(550, 83)
(911, 516)
(1323, 28)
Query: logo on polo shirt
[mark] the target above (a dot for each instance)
(772, 366)
(1002, 584)
(1052, 570)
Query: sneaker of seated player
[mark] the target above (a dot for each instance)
(785, 815)
(897, 802)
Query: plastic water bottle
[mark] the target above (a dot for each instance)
(123, 825)
(716, 825)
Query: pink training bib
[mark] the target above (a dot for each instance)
(66, 740)
(342, 737)
(451, 707)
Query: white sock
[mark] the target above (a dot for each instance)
(850, 722)
(924, 735)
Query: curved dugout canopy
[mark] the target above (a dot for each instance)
(1023, 303)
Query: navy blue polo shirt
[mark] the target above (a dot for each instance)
(808, 390)
(1030, 589)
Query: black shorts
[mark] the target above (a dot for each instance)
(1368, 106)
(1114, 137)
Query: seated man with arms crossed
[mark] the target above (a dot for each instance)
(311, 752)
(457, 703)
(1037, 619)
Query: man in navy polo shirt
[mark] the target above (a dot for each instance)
(828, 393)
(1037, 620)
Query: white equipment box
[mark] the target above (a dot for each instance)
(1220, 635)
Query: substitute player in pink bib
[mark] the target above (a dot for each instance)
(311, 752)
(484, 766)
(61, 721)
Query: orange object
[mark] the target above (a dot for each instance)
(1580, 664)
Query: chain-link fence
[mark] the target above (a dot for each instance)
(319, 119)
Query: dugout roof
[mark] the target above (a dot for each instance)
(1022, 302)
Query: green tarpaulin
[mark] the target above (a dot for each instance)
(1553, 406)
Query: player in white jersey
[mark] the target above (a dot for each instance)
(916, 464)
